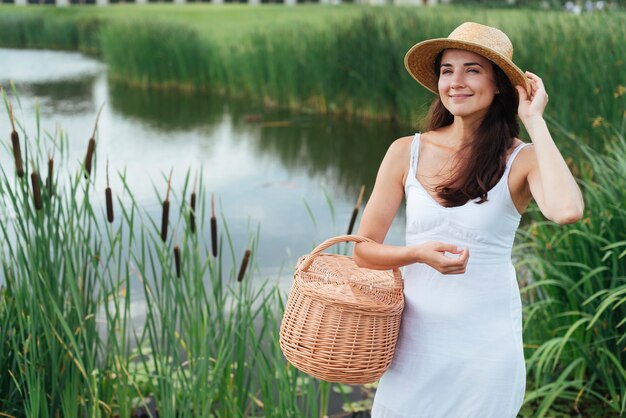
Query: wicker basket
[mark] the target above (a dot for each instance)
(341, 322)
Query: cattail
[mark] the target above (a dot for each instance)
(15, 142)
(355, 211)
(89, 157)
(166, 210)
(34, 179)
(49, 179)
(108, 197)
(177, 260)
(109, 203)
(244, 266)
(213, 227)
(91, 147)
(164, 218)
(192, 213)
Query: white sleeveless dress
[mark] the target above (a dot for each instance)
(459, 353)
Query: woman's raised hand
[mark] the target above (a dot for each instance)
(433, 254)
(533, 105)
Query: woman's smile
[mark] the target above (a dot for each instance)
(459, 97)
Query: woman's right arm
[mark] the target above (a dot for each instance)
(379, 213)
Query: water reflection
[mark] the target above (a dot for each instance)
(266, 167)
(62, 96)
(347, 153)
(166, 110)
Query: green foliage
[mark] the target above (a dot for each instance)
(157, 54)
(37, 30)
(575, 310)
(352, 67)
(72, 344)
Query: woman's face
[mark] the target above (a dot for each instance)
(467, 83)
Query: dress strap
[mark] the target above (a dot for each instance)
(415, 149)
(516, 151)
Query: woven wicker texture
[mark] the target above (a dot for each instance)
(341, 322)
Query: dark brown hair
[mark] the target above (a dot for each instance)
(485, 160)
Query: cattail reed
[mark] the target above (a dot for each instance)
(15, 142)
(355, 211)
(244, 265)
(177, 260)
(166, 210)
(91, 147)
(89, 157)
(213, 227)
(192, 204)
(50, 177)
(109, 203)
(34, 179)
(108, 197)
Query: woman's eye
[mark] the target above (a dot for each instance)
(473, 70)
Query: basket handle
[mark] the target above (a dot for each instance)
(306, 263)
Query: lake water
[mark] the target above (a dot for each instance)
(267, 168)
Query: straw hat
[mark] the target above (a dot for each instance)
(489, 42)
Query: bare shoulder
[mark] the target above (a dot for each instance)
(400, 150)
(397, 159)
(401, 144)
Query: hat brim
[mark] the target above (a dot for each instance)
(420, 58)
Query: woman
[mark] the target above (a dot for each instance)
(466, 181)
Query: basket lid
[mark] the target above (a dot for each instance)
(336, 279)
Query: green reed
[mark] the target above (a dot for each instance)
(575, 292)
(50, 30)
(208, 345)
(158, 55)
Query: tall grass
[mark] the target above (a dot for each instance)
(40, 30)
(357, 68)
(160, 55)
(71, 344)
(352, 67)
(575, 310)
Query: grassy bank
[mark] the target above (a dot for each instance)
(344, 59)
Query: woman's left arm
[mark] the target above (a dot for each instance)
(550, 181)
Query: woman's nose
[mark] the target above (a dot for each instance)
(457, 82)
